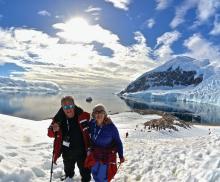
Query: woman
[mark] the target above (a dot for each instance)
(105, 144)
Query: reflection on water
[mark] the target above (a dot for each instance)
(38, 107)
(188, 111)
(34, 107)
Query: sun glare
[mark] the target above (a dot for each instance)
(78, 30)
(77, 23)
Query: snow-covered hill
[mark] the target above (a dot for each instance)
(181, 78)
(187, 155)
(15, 85)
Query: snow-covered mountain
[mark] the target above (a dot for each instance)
(15, 85)
(181, 78)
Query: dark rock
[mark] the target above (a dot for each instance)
(167, 121)
(170, 76)
(89, 99)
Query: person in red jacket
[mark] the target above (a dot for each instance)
(70, 126)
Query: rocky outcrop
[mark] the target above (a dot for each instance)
(169, 78)
(166, 122)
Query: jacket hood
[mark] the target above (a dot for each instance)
(60, 115)
(107, 120)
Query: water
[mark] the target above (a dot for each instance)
(39, 107)
(188, 111)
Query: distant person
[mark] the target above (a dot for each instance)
(105, 144)
(209, 131)
(70, 124)
(126, 135)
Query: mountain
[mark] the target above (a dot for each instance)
(182, 78)
(15, 85)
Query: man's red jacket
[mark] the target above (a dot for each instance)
(83, 119)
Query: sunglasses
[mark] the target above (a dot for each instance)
(99, 112)
(66, 107)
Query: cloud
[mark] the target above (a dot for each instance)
(33, 37)
(138, 54)
(63, 59)
(44, 13)
(150, 23)
(72, 56)
(163, 50)
(78, 30)
(200, 48)
(121, 4)
(181, 12)
(216, 28)
(92, 9)
(60, 17)
(163, 4)
(204, 10)
(10, 49)
(168, 38)
(17, 43)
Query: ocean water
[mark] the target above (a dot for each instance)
(37, 106)
(188, 111)
(43, 106)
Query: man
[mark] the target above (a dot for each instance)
(70, 126)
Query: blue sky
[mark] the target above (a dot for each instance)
(100, 42)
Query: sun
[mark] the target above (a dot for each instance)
(78, 23)
(79, 30)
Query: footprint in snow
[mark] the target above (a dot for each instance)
(40, 144)
(12, 154)
(1, 157)
(27, 139)
(11, 147)
(38, 172)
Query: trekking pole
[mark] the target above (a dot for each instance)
(51, 169)
(119, 165)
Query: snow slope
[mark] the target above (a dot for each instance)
(188, 64)
(187, 155)
(181, 78)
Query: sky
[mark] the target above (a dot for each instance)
(103, 42)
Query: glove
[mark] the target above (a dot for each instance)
(56, 127)
(89, 161)
(122, 160)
